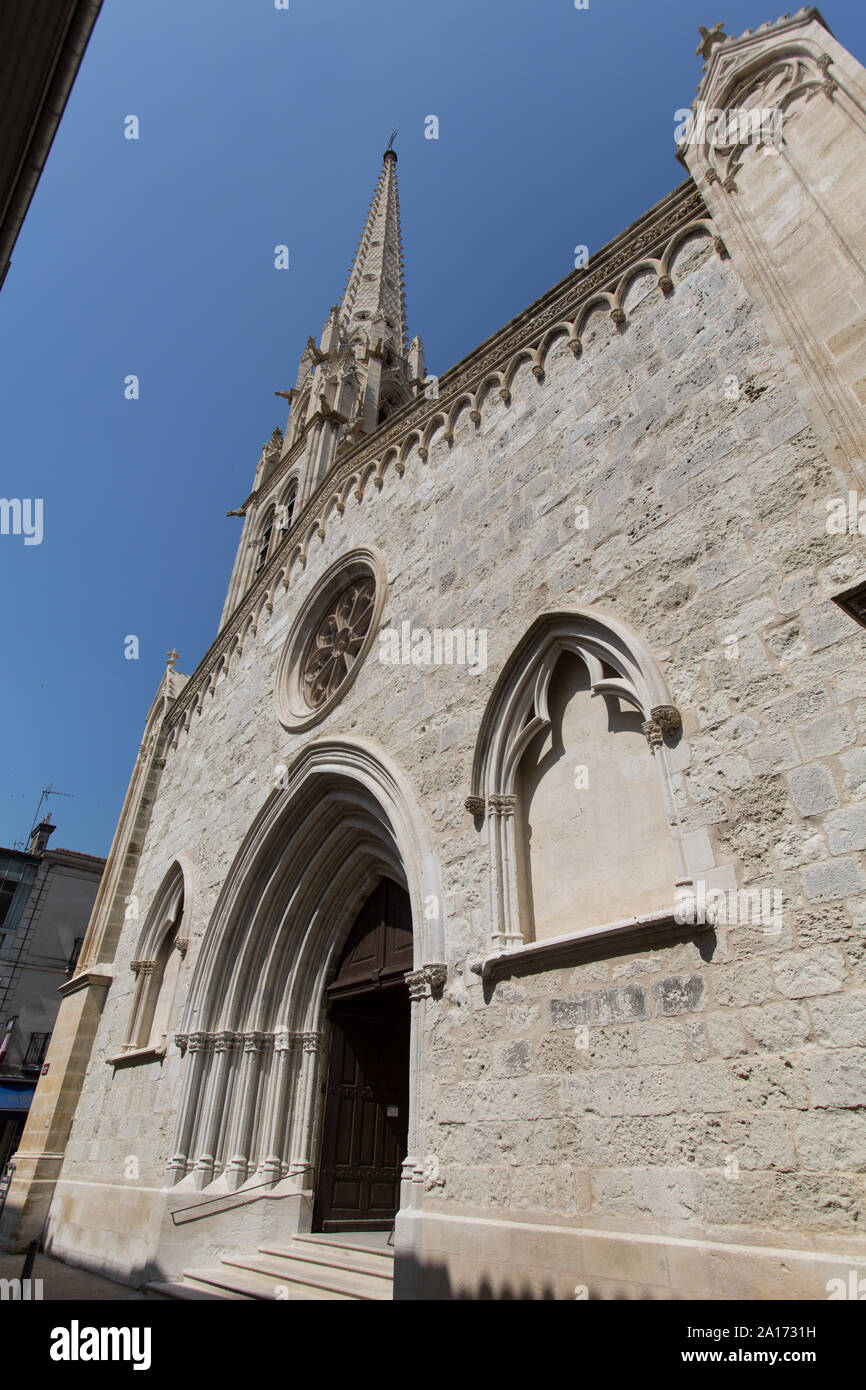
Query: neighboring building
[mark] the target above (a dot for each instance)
(42, 43)
(46, 896)
(498, 871)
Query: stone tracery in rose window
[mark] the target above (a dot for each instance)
(338, 639)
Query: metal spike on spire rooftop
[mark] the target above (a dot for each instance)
(375, 284)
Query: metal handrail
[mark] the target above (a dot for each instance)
(209, 1201)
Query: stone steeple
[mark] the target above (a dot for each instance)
(374, 289)
(363, 368)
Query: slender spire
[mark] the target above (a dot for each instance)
(375, 285)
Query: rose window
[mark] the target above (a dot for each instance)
(337, 641)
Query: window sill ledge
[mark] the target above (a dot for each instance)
(137, 1054)
(632, 933)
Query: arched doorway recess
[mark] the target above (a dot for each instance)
(365, 1123)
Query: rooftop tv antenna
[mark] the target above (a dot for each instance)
(46, 792)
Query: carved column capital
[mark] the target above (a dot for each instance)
(227, 1040)
(200, 1042)
(653, 733)
(502, 805)
(428, 981)
(305, 1042)
(252, 1042)
(143, 967)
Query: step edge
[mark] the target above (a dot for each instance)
(310, 1280)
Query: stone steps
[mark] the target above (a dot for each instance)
(360, 1259)
(306, 1268)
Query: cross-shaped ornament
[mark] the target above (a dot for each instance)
(171, 659)
(709, 39)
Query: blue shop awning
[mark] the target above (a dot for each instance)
(16, 1098)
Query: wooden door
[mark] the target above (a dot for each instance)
(366, 1117)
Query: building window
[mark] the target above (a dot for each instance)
(264, 545)
(74, 954)
(157, 966)
(16, 879)
(329, 639)
(854, 602)
(7, 893)
(35, 1054)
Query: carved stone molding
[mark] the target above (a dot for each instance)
(502, 805)
(653, 733)
(668, 718)
(143, 967)
(305, 1042)
(427, 982)
(642, 933)
(474, 805)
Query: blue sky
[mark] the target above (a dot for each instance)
(156, 257)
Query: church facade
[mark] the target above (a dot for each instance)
(498, 873)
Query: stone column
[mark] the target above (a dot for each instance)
(212, 1110)
(273, 1124)
(666, 719)
(503, 849)
(240, 1130)
(308, 1046)
(423, 984)
(198, 1047)
(143, 971)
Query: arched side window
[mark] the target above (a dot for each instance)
(263, 543)
(161, 948)
(286, 508)
(572, 770)
(299, 415)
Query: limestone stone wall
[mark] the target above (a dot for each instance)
(705, 1091)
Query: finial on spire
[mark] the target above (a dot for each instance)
(171, 659)
(390, 147)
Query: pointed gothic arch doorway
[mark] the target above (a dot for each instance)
(366, 1111)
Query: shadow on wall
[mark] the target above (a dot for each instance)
(429, 1281)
